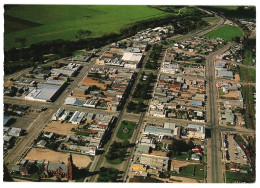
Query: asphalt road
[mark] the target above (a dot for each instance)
(214, 172)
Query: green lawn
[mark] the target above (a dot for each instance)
(196, 171)
(239, 177)
(248, 57)
(220, 92)
(78, 52)
(252, 75)
(64, 21)
(130, 125)
(210, 19)
(183, 156)
(226, 32)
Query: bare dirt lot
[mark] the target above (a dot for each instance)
(178, 179)
(80, 161)
(179, 163)
(60, 128)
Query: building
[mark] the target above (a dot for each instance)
(143, 149)
(16, 132)
(225, 74)
(77, 117)
(158, 131)
(57, 114)
(7, 120)
(196, 131)
(153, 161)
(133, 57)
(46, 92)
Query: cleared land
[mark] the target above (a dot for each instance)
(60, 128)
(80, 161)
(64, 21)
(179, 163)
(226, 32)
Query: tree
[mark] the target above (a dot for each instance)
(125, 143)
(131, 106)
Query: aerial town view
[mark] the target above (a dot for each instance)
(129, 93)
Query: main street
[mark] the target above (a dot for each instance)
(100, 160)
(214, 172)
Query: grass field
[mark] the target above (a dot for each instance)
(226, 32)
(248, 57)
(210, 19)
(226, 7)
(196, 171)
(48, 22)
(130, 125)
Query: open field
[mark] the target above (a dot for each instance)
(81, 161)
(62, 21)
(226, 32)
(60, 128)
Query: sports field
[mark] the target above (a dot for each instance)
(47, 22)
(226, 32)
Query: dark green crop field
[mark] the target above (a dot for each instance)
(48, 22)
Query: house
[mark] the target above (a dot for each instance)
(57, 114)
(7, 120)
(196, 131)
(196, 103)
(16, 132)
(195, 157)
(48, 135)
(197, 150)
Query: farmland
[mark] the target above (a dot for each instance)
(226, 32)
(44, 22)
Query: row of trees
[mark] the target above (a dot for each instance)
(118, 150)
(144, 86)
(154, 57)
